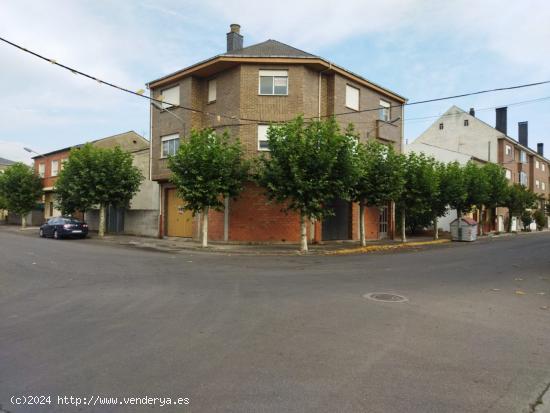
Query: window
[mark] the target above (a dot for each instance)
(384, 110)
(543, 167)
(263, 143)
(170, 145)
(273, 82)
(523, 157)
(466, 122)
(55, 168)
(508, 150)
(508, 174)
(543, 186)
(352, 97)
(212, 90)
(441, 126)
(523, 178)
(41, 169)
(537, 184)
(537, 164)
(170, 97)
(62, 163)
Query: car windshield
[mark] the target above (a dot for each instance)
(71, 221)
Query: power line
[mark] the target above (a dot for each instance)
(258, 121)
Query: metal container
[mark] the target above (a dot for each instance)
(464, 229)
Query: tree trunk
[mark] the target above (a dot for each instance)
(362, 236)
(101, 230)
(303, 234)
(509, 222)
(403, 235)
(23, 221)
(436, 228)
(205, 227)
(479, 219)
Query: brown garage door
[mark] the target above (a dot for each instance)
(179, 221)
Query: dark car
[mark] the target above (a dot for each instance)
(64, 227)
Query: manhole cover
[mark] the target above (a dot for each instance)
(386, 297)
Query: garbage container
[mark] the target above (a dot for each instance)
(464, 229)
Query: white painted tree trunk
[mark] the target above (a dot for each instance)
(205, 227)
(403, 235)
(23, 221)
(436, 228)
(362, 224)
(101, 230)
(303, 234)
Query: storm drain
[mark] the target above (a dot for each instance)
(386, 297)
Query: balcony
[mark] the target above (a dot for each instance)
(388, 132)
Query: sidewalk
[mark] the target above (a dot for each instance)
(175, 245)
(183, 244)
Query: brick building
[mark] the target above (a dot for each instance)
(463, 133)
(265, 82)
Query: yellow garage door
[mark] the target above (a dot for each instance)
(179, 221)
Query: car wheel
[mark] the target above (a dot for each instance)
(56, 235)
(41, 233)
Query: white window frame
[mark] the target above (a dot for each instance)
(274, 74)
(212, 90)
(262, 137)
(543, 166)
(543, 186)
(508, 150)
(523, 157)
(508, 174)
(62, 163)
(523, 179)
(54, 172)
(42, 169)
(168, 138)
(168, 102)
(537, 184)
(537, 164)
(353, 95)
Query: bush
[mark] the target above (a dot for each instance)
(526, 219)
(540, 219)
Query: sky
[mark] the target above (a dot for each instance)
(419, 49)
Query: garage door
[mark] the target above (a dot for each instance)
(179, 221)
(337, 227)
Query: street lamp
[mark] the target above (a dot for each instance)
(29, 150)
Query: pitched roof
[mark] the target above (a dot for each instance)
(4, 161)
(270, 48)
(265, 50)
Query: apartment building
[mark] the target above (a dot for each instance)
(462, 133)
(242, 91)
(139, 219)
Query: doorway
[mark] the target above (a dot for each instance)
(337, 227)
(179, 221)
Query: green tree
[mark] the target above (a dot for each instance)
(308, 167)
(518, 199)
(498, 185)
(540, 218)
(206, 169)
(420, 186)
(379, 176)
(450, 188)
(477, 190)
(94, 176)
(20, 189)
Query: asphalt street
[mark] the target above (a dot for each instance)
(275, 334)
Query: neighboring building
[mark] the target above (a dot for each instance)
(462, 133)
(140, 218)
(266, 82)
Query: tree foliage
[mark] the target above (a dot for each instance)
(518, 199)
(308, 167)
(207, 168)
(497, 185)
(20, 189)
(94, 176)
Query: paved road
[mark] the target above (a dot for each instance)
(276, 334)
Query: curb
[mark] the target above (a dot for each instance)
(375, 248)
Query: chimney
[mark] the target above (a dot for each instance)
(522, 134)
(502, 120)
(472, 112)
(540, 148)
(234, 38)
